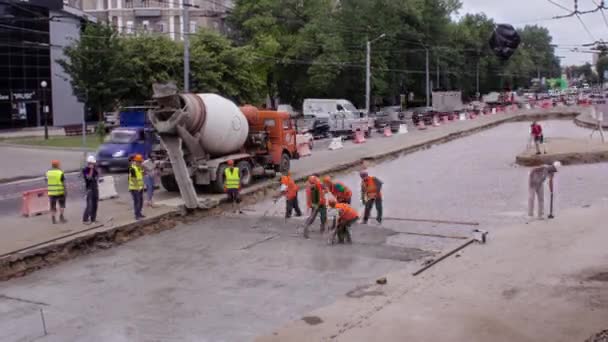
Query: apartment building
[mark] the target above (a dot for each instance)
(160, 16)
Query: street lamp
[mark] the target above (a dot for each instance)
(368, 70)
(45, 110)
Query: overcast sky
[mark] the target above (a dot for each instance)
(568, 31)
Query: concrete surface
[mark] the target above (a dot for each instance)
(21, 163)
(219, 279)
(543, 281)
(586, 120)
(566, 150)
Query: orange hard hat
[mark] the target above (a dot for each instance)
(312, 179)
(55, 163)
(230, 162)
(332, 203)
(326, 179)
(138, 158)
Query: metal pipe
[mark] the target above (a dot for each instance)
(443, 257)
(367, 76)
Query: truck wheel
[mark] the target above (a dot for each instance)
(218, 184)
(245, 172)
(285, 163)
(169, 183)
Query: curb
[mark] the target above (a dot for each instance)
(26, 177)
(52, 148)
(20, 264)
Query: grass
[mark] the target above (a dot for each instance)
(56, 141)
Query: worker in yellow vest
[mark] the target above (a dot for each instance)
(232, 184)
(55, 180)
(136, 185)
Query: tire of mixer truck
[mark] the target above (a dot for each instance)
(169, 183)
(284, 164)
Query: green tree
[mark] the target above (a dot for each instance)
(94, 64)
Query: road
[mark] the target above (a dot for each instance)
(231, 278)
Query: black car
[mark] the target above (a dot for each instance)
(391, 116)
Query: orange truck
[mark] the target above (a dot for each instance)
(199, 133)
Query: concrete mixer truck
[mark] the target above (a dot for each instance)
(201, 132)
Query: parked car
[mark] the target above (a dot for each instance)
(391, 116)
(111, 120)
(422, 113)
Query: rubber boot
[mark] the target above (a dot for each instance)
(53, 219)
(62, 219)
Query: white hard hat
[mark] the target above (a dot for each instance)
(557, 164)
(91, 159)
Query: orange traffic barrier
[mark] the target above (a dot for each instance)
(359, 137)
(387, 131)
(435, 121)
(421, 125)
(34, 202)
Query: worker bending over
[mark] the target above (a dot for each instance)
(55, 180)
(340, 191)
(318, 204)
(346, 217)
(232, 184)
(136, 185)
(538, 175)
(371, 194)
(289, 189)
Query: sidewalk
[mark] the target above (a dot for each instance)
(542, 281)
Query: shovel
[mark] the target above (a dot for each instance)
(551, 207)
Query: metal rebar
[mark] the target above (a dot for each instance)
(43, 322)
(443, 257)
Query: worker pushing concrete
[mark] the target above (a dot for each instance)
(537, 178)
(318, 204)
(55, 180)
(346, 217)
(340, 191)
(289, 189)
(232, 185)
(371, 193)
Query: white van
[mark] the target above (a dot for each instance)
(341, 115)
(322, 108)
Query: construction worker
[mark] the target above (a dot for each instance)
(346, 217)
(309, 187)
(318, 204)
(232, 184)
(91, 184)
(371, 194)
(340, 191)
(536, 132)
(537, 178)
(136, 185)
(55, 180)
(289, 189)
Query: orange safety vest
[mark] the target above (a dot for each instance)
(319, 189)
(292, 187)
(308, 197)
(347, 213)
(341, 196)
(369, 188)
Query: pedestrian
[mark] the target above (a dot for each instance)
(536, 131)
(55, 180)
(318, 204)
(537, 178)
(371, 194)
(232, 184)
(346, 217)
(149, 175)
(340, 191)
(136, 185)
(91, 184)
(290, 189)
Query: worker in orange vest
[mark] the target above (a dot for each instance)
(340, 191)
(346, 217)
(290, 189)
(309, 187)
(318, 204)
(371, 194)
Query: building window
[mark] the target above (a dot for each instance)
(161, 27)
(145, 25)
(129, 27)
(115, 23)
(128, 3)
(193, 27)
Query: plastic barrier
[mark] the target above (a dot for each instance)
(304, 149)
(34, 202)
(471, 115)
(494, 110)
(435, 121)
(421, 124)
(528, 107)
(387, 132)
(107, 189)
(462, 116)
(402, 129)
(444, 119)
(359, 137)
(336, 144)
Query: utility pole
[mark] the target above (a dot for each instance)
(186, 34)
(477, 81)
(428, 90)
(368, 71)
(438, 79)
(367, 76)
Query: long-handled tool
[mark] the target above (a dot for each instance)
(551, 206)
(256, 224)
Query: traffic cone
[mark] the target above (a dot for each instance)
(387, 131)
(435, 121)
(359, 137)
(444, 119)
(421, 125)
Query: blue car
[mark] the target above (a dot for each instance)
(124, 142)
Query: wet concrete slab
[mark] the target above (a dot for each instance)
(568, 151)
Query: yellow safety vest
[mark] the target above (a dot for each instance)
(137, 182)
(232, 180)
(54, 183)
